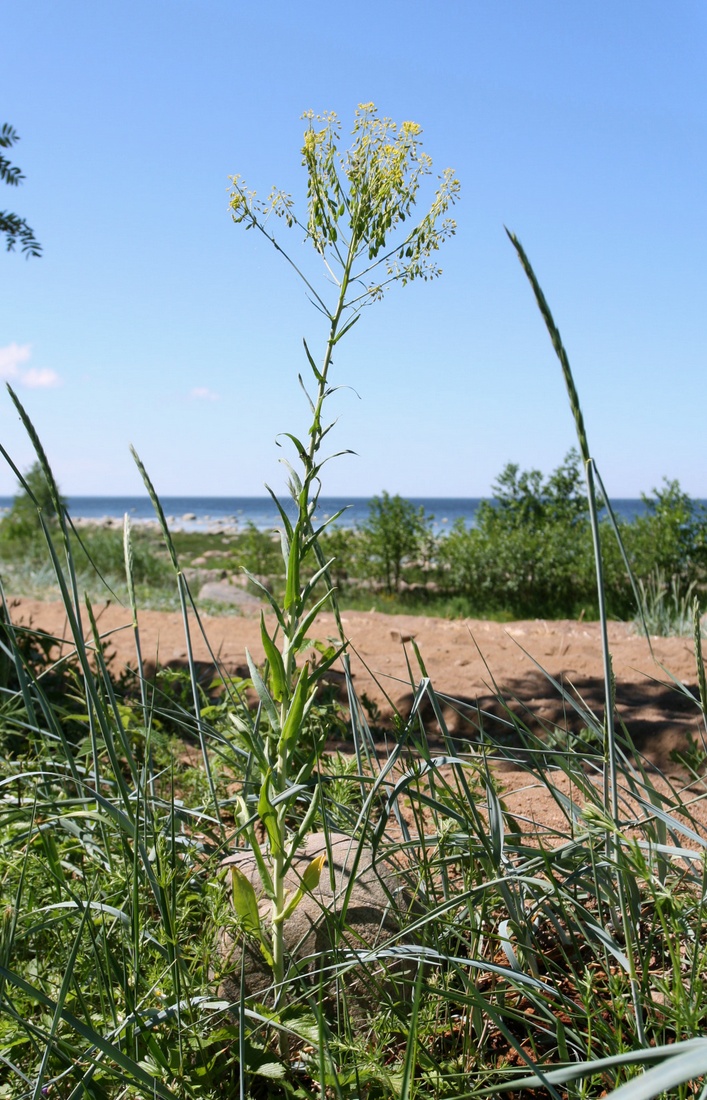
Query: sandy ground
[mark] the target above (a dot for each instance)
(469, 663)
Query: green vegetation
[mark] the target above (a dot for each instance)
(98, 553)
(551, 963)
(530, 554)
(357, 205)
(394, 534)
(516, 562)
(15, 228)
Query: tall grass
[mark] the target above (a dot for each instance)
(556, 961)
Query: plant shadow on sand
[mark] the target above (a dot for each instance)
(660, 719)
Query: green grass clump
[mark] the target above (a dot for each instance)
(112, 834)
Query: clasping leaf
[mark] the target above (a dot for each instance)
(310, 881)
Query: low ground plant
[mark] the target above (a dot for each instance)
(548, 962)
(666, 606)
(97, 551)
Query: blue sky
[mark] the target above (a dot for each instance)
(152, 319)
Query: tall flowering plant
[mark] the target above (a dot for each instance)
(360, 221)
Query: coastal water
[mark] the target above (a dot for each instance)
(203, 513)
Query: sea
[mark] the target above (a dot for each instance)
(236, 513)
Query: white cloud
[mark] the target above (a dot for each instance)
(40, 378)
(10, 359)
(34, 378)
(203, 393)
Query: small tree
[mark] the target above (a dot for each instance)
(20, 524)
(14, 227)
(394, 534)
(671, 538)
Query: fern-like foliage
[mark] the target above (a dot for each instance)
(15, 228)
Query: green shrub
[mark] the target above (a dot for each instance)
(20, 531)
(257, 551)
(344, 547)
(394, 536)
(97, 549)
(671, 538)
(530, 553)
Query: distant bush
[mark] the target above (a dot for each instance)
(257, 551)
(394, 536)
(345, 547)
(530, 551)
(20, 530)
(101, 548)
(670, 538)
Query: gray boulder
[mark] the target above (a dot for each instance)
(330, 942)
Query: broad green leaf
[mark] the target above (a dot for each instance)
(245, 902)
(263, 693)
(293, 721)
(257, 1061)
(310, 881)
(277, 669)
(268, 816)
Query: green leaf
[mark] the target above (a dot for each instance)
(262, 1064)
(330, 655)
(283, 514)
(268, 595)
(263, 693)
(268, 816)
(310, 881)
(293, 721)
(301, 452)
(300, 639)
(346, 328)
(245, 902)
(316, 371)
(292, 587)
(278, 681)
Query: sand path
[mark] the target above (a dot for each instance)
(469, 661)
